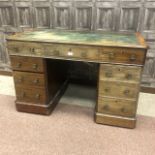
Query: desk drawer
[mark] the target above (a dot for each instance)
(120, 73)
(84, 52)
(118, 89)
(32, 95)
(121, 55)
(25, 48)
(70, 51)
(27, 64)
(58, 50)
(29, 79)
(116, 106)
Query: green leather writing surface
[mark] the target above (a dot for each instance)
(103, 39)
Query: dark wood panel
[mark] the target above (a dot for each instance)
(24, 14)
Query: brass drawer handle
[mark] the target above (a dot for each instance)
(128, 76)
(20, 79)
(36, 81)
(16, 49)
(55, 52)
(107, 90)
(111, 55)
(108, 74)
(133, 57)
(84, 54)
(37, 96)
(123, 109)
(35, 66)
(126, 92)
(18, 65)
(106, 107)
(23, 94)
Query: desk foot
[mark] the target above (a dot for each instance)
(113, 120)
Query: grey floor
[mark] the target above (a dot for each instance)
(84, 96)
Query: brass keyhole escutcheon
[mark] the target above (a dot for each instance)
(70, 52)
(33, 50)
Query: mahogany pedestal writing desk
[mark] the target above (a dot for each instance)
(40, 62)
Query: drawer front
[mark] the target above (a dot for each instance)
(25, 48)
(121, 55)
(27, 64)
(94, 53)
(58, 50)
(118, 89)
(29, 79)
(31, 95)
(120, 73)
(116, 106)
(70, 51)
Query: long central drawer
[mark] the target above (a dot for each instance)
(83, 52)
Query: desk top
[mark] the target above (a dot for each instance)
(87, 38)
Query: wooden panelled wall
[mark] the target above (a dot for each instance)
(98, 15)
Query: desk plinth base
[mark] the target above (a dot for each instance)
(34, 108)
(119, 121)
(43, 109)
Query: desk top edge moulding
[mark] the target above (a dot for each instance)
(134, 40)
(40, 80)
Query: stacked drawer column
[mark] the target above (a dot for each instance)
(118, 90)
(30, 84)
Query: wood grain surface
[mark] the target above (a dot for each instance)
(31, 64)
(129, 74)
(116, 106)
